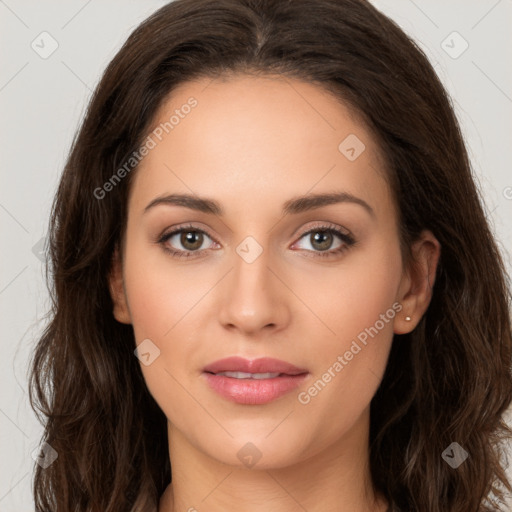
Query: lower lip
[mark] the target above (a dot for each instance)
(253, 391)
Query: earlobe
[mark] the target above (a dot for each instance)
(418, 282)
(116, 286)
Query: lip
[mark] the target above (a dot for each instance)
(253, 391)
(261, 365)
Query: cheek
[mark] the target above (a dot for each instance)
(165, 302)
(359, 305)
(161, 300)
(352, 296)
(161, 293)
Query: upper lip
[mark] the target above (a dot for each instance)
(261, 365)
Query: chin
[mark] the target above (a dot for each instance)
(258, 451)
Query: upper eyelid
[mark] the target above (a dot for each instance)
(323, 226)
(174, 231)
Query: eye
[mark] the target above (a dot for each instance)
(184, 241)
(188, 241)
(327, 240)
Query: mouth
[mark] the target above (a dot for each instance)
(253, 382)
(254, 367)
(244, 375)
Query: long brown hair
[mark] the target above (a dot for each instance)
(447, 381)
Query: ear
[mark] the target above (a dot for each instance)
(415, 291)
(117, 291)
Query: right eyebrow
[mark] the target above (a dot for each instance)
(188, 201)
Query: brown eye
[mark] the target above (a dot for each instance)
(191, 240)
(186, 241)
(321, 240)
(325, 241)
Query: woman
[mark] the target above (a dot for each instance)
(275, 287)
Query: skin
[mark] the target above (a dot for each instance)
(253, 143)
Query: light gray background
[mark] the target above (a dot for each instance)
(43, 100)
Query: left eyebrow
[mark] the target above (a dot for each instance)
(293, 206)
(312, 201)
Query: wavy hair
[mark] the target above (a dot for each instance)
(447, 381)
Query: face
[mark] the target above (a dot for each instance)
(257, 272)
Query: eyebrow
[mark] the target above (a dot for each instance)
(292, 206)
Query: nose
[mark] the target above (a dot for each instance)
(253, 298)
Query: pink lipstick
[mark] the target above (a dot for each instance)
(253, 382)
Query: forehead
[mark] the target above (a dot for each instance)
(261, 139)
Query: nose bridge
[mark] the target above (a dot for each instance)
(252, 299)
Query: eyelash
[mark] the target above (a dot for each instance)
(348, 240)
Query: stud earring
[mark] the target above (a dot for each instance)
(407, 318)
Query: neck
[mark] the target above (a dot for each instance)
(337, 479)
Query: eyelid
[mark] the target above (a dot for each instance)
(325, 225)
(344, 234)
(322, 225)
(167, 233)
